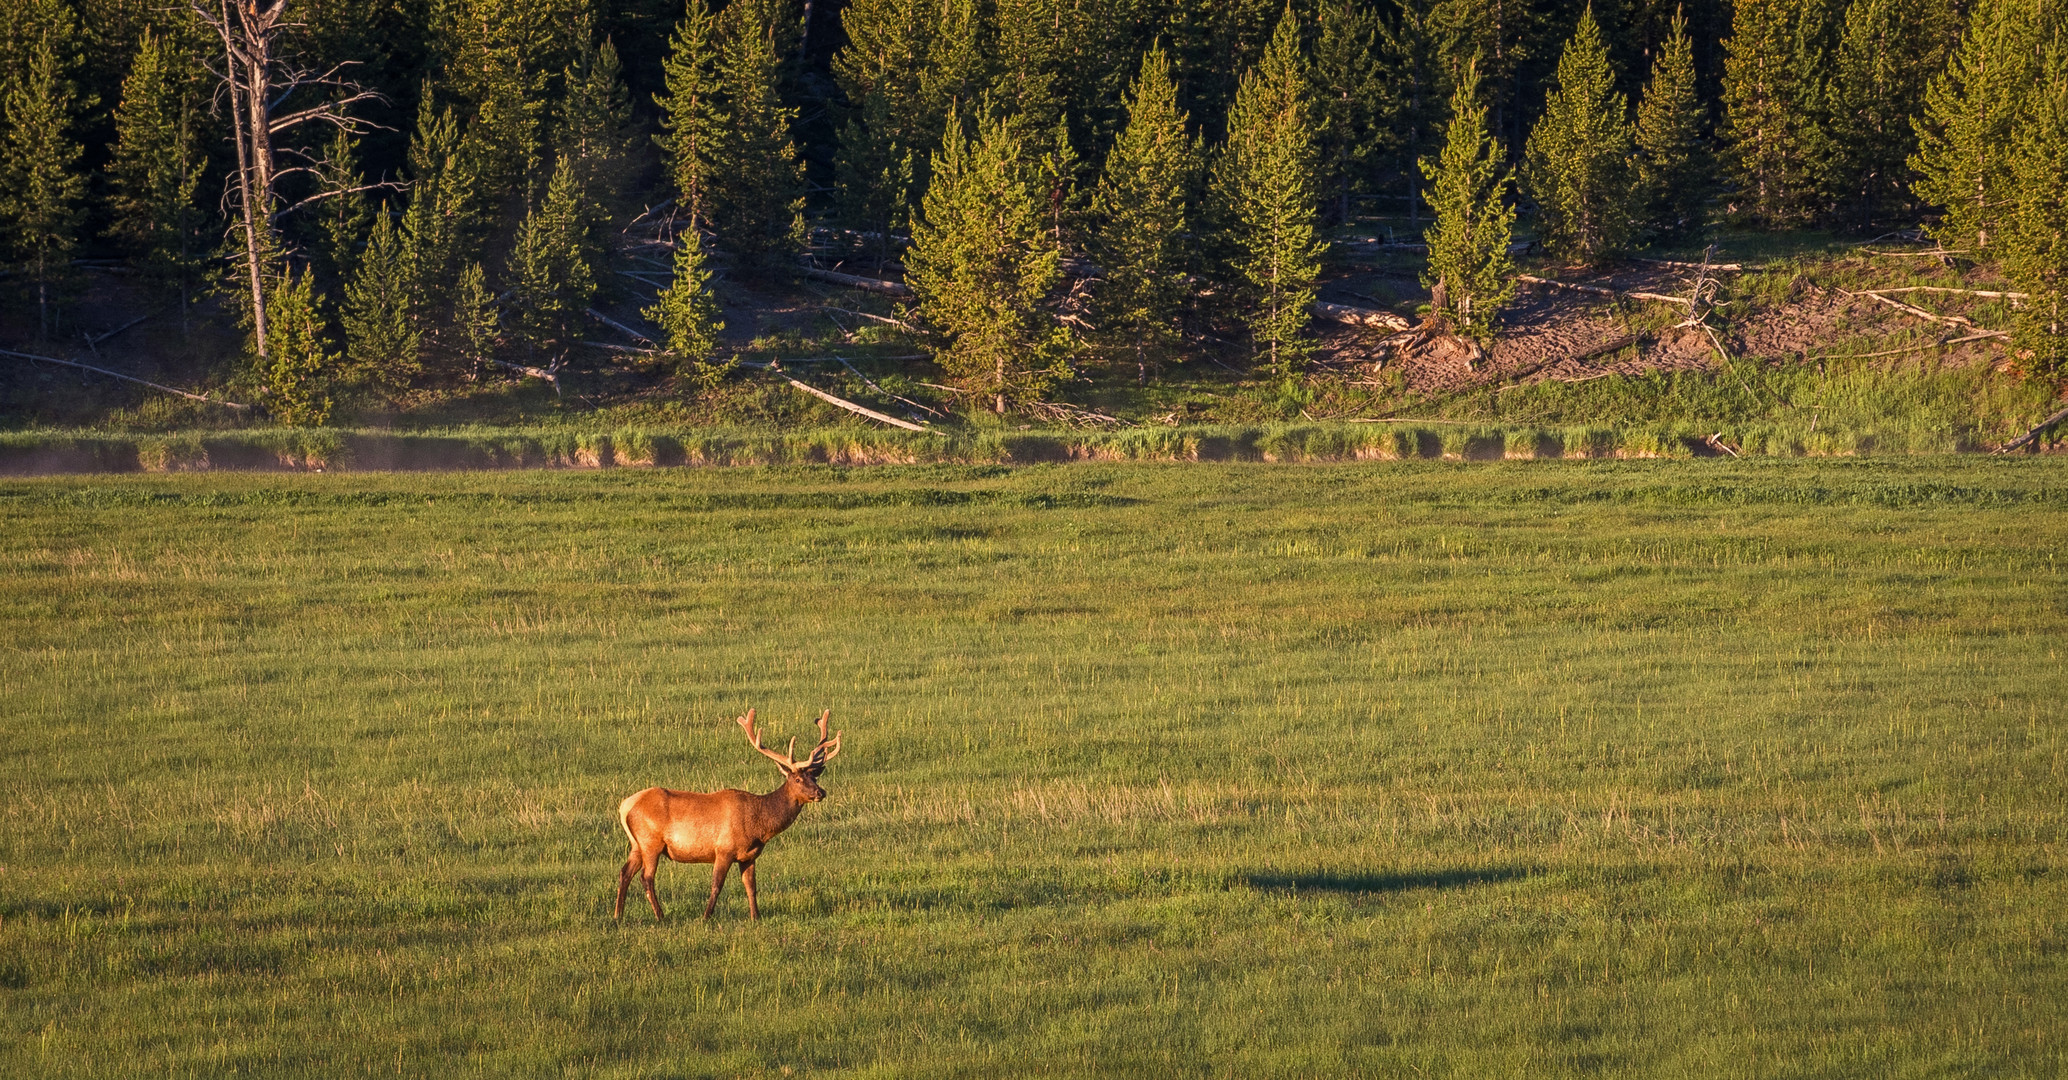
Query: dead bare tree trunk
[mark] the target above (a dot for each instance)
(259, 88)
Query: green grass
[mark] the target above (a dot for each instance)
(1735, 769)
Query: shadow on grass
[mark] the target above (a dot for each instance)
(1354, 883)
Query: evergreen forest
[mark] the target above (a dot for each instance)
(349, 206)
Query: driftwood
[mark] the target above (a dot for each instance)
(2032, 436)
(844, 403)
(124, 378)
(1598, 290)
(1357, 316)
(852, 281)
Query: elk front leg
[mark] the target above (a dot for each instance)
(719, 866)
(747, 879)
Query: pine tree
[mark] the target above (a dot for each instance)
(1772, 87)
(502, 54)
(1674, 166)
(1140, 207)
(956, 72)
(156, 169)
(1889, 51)
(439, 223)
(690, 113)
(1348, 97)
(889, 128)
(1970, 118)
(2035, 230)
(1578, 164)
(687, 313)
(347, 214)
(381, 336)
(1470, 276)
(554, 263)
(757, 198)
(981, 264)
(873, 173)
(477, 316)
(1265, 176)
(40, 183)
(1027, 53)
(594, 127)
(300, 366)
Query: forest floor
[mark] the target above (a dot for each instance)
(1785, 318)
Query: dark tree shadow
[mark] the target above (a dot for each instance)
(1339, 882)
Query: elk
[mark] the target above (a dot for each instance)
(719, 827)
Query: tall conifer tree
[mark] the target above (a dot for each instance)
(982, 263)
(2035, 230)
(1674, 165)
(1266, 179)
(1970, 118)
(555, 266)
(757, 198)
(440, 220)
(1348, 97)
(593, 129)
(690, 113)
(1470, 275)
(1889, 51)
(41, 186)
(155, 174)
(1775, 76)
(1578, 164)
(687, 313)
(347, 213)
(1140, 208)
(381, 336)
(300, 366)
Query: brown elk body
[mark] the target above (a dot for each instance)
(722, 828)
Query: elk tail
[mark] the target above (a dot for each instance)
(624, 814)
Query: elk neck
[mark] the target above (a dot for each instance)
(778, 809)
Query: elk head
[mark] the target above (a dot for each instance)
(800, 778)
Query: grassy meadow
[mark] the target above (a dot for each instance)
(1533, 769)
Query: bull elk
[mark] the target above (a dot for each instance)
(719, 827)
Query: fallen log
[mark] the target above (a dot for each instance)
(1958, 292)
(852, 281)
(1678, 264)
(619, 327)
(885, 319)
(1599, 291)
(1613, 345)
(1948, 320)
(2032, 436)
(1357, 316)
(844, 403)
(124, 378)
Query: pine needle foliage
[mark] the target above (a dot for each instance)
(1890, 50)
(1771, 106)
(342, 219)
(690, 113)
(41, 187)
(301, 366)
(982, 263)
(155, 174)
(594, 128)
(1470, 274)
(687, 313)
(1674, 163)
(2035, 234)
(1578, 160)
(439, 224)
(757, 198)
(1266, 179)
(1970, 118)
(1142, 214)
(1348, 97)
(381, 336)
(554, 264)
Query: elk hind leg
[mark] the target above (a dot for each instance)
(625, 873)
(646, 871)
(719, 866)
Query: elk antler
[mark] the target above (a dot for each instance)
(827, 747)
(787, 762)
